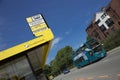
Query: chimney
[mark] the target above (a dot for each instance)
(103, 9)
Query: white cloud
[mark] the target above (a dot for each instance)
(56, 41)
(67, 33)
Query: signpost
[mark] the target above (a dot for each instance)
(37, 24)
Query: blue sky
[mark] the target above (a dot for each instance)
(68, 20)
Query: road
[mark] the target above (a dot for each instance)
(106, 69)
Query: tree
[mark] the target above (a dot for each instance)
(63, 57)
(54, 68)
(88, 37)
(62, 60)
(112, 41)
(47, 69)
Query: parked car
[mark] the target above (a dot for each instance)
(65, 71)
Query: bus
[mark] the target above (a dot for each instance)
(89, 52)
(26, 61)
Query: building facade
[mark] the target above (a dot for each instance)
(105, 22)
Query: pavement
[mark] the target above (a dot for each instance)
(106, 69)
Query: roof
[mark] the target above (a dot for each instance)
(47, 36)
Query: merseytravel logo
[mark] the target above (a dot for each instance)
(37, 24)
(26, 45)
(29, 45)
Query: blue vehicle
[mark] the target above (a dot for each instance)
(89, 52)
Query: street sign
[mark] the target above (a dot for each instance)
(37, 24)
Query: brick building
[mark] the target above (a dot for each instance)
(105, 22)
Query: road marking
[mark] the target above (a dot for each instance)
(104, 76)
(111, 53)
(106, 60)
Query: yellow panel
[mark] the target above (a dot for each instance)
(29, 20)
(37, 24)
(45, 53)
(38, 27)
(46, 36)
(43, 34)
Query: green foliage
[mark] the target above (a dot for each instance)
(64, 57)
(88, 38)
(47, 69)
(3, 79)
(61, 61)
(54, 68)
(112, 41)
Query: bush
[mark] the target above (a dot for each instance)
(112, 41)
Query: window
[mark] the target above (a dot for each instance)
(93, 43)
(119, 22)
(97, 49)
(80, 59)
(113, 29)
(103, 16)
(107, 33)
(96, 34)
(98, 21)
(102, 28)
(109, 22)
(114, 16)
(90, 53)
(99, 37)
